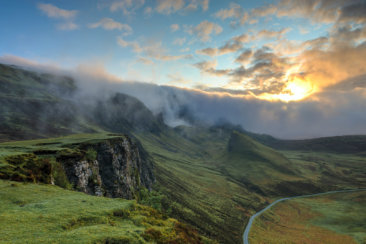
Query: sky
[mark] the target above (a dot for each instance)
(303, 62)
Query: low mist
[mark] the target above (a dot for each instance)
(337, 111)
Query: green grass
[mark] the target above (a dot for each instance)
(344, 213)
(330, 171)
(333, 218)
(32, 213)
(256, 165)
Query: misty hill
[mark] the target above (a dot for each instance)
(38, 105)
(121, 113)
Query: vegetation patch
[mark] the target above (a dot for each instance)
(27, 168)
(32, 213)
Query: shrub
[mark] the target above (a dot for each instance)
(91, 154)
(27, 167)
(123, 213)
(59, 176)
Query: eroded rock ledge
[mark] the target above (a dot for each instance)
(113, 167)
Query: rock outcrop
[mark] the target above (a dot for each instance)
(113, 167)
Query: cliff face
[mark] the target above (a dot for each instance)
(114, 168)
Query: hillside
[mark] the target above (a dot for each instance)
(216, 178)
(33, 213)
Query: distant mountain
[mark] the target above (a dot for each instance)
(334, 144)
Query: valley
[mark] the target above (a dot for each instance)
(201, 181)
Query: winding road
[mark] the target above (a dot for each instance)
(252, 218)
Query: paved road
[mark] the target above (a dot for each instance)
(252, 218)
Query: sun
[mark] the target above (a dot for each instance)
(296, 89)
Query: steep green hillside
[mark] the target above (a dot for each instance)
(256, 166)
(31, 213)
(197, 191)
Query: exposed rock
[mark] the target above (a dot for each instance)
(120, 168)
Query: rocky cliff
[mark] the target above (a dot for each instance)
(114, 168)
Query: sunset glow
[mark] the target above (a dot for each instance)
(295, 90)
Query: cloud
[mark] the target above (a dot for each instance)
(148, 10)
(205, 29)
(179, 41)
(354, 11)
(205, 4)
(174, 27)
(234, 11)
(134, 45)
(209, 67)
(177, 79)
(110, 24)
(68, 26)
(244, 57)
(169, 6)
(318, 11)
(145, 61)
(208, 51)
(193, 5)
(126, 6)
(244, 38)
(58, 13)
(151, 49)
(268, 34)
(229, 47)
(236, 43)
(55, 12)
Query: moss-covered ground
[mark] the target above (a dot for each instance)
(36, 213)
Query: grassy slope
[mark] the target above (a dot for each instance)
(31, 213)
(255, 165)
(199, 193)
(336, 218)
(330, 170)
(215, 179)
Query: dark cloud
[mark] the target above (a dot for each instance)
(354, 11)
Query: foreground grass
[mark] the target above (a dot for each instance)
(32, 213)
(334, 218)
